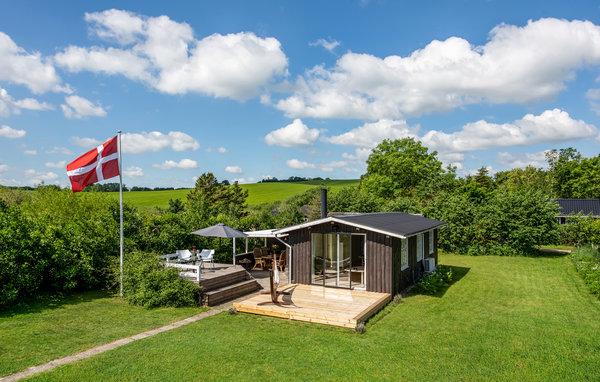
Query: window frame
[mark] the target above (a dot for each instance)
(403, 254)
(420, 247)
(431, 244)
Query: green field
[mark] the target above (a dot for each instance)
(503, 318)
(47, 330)
(257, 192)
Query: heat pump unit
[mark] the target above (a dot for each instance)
(429, 264)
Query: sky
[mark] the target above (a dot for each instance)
(252, 90)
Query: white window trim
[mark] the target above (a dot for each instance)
(431, 244)
(420, 247)
(403, 249)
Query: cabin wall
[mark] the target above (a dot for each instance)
(383, 272)
(378, 267)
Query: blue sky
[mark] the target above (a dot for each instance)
(248, 90)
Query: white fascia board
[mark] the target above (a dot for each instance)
(302, 225)
(368, 228)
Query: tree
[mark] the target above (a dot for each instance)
(574, 176)
(175, 206)
(529, 178)
(210, 198)
(398, 167)
(483, 180)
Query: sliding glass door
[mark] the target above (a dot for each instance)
(332, 260)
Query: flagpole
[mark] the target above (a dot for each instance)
(120, 214)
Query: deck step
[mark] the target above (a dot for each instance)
(223, 280)
(229, 292)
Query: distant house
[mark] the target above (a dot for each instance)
(376, 252)
(573, 207)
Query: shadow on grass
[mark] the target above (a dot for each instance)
(457, 274)
(45, 302)
(548, 252)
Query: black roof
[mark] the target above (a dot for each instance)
(399, 223)
(392, 223)
(575, 206)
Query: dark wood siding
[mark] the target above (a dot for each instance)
(402, 278)
(379, 263)
(300, 242)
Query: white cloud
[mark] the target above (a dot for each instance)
(537, 160)
(294, 134)
(549, 127)
(59, 164)
(244, 180)
(370, 135)
(35, 177)
(85, 142)
(121, 26)
(133, 172)
(330, 44)
(9, 132)
(517, 65)
(594, 96)
(233, 169)
(298, 164)
(29, 69)
(9, 106)
(3, 167)
(108, 61)
(184, 163)
(221, 150)
(79, 107)
(360, 154)
(326, 167)
(165, 55)
(30, 152)
(137, 143)
(59, 150)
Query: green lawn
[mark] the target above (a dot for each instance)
(504, 318)
(44, 331)
(257, 192)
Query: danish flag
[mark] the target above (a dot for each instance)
(95, 165)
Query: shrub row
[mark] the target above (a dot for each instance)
(587, 263)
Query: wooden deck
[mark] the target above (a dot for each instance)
(311, 303)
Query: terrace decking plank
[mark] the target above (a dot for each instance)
(311, 303)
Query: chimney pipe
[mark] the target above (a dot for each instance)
(323, 203)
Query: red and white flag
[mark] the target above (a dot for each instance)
(95, 165)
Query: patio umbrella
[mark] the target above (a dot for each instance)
(221, 230)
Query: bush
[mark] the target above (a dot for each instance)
(506, 223)
(587, 263)
(435, 281)
(148, 283)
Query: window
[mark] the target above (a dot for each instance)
(431, 242)
(420, 249)
(404, 254)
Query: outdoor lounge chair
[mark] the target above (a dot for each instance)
(207, 256)
(184, 256)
